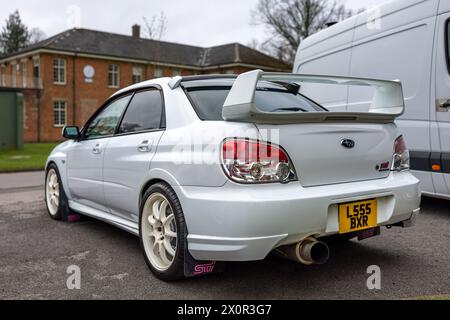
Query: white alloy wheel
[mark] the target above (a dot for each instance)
(159, 232)
(52, 192)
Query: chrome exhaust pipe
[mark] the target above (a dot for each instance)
(309, 251)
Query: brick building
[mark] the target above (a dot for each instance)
(65, 78)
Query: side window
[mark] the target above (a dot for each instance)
(144, 112)
(105, 123)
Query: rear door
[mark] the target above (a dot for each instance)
(129, 153)
(442, 100)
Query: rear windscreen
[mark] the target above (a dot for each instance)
(208, 101)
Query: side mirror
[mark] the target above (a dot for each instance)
(71, 133)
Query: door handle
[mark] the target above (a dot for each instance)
(443, 105)
(97, 149)
(145, 146)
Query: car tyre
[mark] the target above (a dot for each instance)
(162, 232)
(55, 197)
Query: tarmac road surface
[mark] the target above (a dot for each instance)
(36, 251)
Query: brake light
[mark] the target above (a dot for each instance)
(251, 161)
(401, 155)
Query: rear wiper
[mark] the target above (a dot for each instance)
(294, 109)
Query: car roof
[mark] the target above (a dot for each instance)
(187, 81)
(207, 81)
(141, 85)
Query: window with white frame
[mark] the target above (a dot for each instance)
(113, 76)
(14, 67)
(158, 73)
(36, 72)
(59, 71)
(59, 113)
(176, 72)
(24, 74)
(36, 68)
(3, 76)
(137, 75)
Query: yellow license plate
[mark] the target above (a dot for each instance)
(357, 216)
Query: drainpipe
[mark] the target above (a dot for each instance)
(38, 96)
(74, 92)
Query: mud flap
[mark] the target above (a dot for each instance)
(70, 216)
(194, 268)
(368, 233)
(67, 214)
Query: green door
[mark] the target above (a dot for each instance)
(11, 120)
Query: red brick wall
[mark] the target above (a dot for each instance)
(30, 115)
(90, 96)
(52, 92)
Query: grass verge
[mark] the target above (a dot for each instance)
(31, 157)
(445, 297)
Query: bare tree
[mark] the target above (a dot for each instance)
(254, 44)
(291, 21)
(156, 26)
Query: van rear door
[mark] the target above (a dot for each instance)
(401, 47)
(441, 177)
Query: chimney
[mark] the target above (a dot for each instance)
(136, 31)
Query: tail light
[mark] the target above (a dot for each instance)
(251, 161)
(401, 155)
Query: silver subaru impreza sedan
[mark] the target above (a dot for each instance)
(208, 169)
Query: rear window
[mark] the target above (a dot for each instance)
(208, 101)
(144, 112)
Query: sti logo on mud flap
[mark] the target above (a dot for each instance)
(204, 268)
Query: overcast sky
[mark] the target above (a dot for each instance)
(196, 22)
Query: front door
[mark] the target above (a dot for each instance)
(84, 172)
(85, 159)
(442, 98)
(128, 154)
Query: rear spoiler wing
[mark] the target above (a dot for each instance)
(387, 102)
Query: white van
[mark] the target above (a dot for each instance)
(406, 40)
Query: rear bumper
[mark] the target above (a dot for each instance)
(246, 222)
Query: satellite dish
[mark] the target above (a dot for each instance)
(89, 72)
